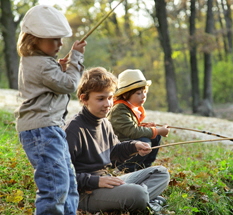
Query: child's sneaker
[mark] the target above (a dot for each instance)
(155, 207)
(160, 200)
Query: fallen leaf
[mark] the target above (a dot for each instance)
(15, 197)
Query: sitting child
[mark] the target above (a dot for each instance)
(127, 115)
(92, 145)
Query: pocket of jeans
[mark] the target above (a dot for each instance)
(30, 148)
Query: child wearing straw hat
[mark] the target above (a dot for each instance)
(127, 117)
(44, 85)
(92, 144)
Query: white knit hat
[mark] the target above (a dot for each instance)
(131, 79)
(45, 21)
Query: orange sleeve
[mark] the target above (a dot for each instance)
(144, 124)
(155, 132)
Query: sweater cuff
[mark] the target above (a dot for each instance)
(94, 181)
(154, 131)
(76, 58)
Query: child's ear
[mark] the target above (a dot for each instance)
(82, 98)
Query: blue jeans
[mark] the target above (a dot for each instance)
(139, 162)
(47, 150)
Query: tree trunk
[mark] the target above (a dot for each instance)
(228, 20)
(208, 101)
(162, 26)
(9, 38)
(127, 26)
(224, 39)
(193, 59)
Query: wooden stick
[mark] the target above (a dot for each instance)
(186, 142)
(191, 141)
(97, 25)
(195, 130)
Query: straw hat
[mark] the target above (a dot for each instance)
(45, 21)
(130, 79)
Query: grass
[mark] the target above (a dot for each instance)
(201, 176)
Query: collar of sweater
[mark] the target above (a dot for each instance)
(90, 118)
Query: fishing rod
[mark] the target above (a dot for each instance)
(191, 141)
(195, 130)
(187, 142)
(97, 25)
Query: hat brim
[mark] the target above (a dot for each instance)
(133, 86)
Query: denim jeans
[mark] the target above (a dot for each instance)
(139, 162)
(47, 150)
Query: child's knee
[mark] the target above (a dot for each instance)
(162, 173)
(165, 173)
(138, 198)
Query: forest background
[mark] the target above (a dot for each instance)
(183, 46)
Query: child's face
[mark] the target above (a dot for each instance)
(99, 103)
(138, 98)
(50, 46)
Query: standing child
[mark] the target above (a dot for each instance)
(127, 117)
(92, 144)
(44, 86)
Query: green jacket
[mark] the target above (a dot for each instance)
(126, 125)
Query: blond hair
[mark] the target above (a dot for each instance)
(27, 44)
(96, 80)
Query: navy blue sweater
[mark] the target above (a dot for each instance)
(92, 145)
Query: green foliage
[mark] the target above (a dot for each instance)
(119, 44)
(3, 80)
(222, 82)
(94, 58)
(183, 73)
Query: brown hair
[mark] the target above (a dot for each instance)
(126, 96)
(96, 80)
(27, 44)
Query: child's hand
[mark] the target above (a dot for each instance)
(63, 63)
(163, 131)
(143, 148)
(110, 182)
(79, 46)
